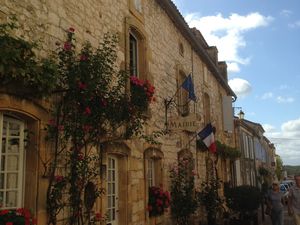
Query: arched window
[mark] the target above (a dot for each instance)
(137, 54)
(153, 167)
(133, 55)
(12, 166)
(181, 49)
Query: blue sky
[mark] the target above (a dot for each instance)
(260, 41)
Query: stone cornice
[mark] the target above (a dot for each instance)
(178, 20)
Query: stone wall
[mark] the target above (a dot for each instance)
(46, 22)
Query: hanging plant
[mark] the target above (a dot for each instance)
(158, 202)
(141, 92)
(19, 216)
(264, 172)
(227, 152)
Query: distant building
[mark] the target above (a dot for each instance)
(257, 151)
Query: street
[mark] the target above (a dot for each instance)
(288, 220)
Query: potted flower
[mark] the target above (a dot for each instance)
(141, 92)
(159, 200)
(19, 216)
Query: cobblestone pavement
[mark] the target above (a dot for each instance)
(288, 220)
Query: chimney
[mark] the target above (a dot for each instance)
(213, 53)
(199, 37)
(222, 66)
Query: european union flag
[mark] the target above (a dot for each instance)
(189, 87)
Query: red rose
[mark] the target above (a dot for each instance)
(71, 29)
(59, 178)
(67, 46)
(149, 208)
(4, 212)
(103, 102)
(80, 156)
(81, 85)
(83, 58)
(51, 122)
(87, 111)
(60, 127)
(98, 216)
(87, 128)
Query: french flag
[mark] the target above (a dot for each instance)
(207, 136)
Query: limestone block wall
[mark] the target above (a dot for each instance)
(46, 22)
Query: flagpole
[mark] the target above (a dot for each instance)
(167, 102)
(188, 144)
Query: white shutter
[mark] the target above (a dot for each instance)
(227, 113)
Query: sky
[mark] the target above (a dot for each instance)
(260, 42)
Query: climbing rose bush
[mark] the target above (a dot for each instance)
(93, 107)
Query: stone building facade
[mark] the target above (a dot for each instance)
(155, 43)
(257, 151)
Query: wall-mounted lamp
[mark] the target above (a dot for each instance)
(241, 115)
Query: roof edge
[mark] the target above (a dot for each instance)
(170, 8)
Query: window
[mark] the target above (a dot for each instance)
(112, 190)
(183, 97)
(206, 108)
(205, 74)
(12, 162)
(136, 56)
(138, 5)
(151, 173)
(181, 49)
(153, 164)
(133, 55)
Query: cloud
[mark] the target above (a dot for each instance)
(295, 24)
(240, 87)
(281, 99)
(286, 141)
(286, 12)
(267, 95)
(292, 128)
(233, 67)
(269, 128)
(228, 34)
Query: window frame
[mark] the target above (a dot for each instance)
(134, 55)
(206, 108)
(21, 163)
(151, 172)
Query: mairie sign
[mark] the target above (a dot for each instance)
(189, 123)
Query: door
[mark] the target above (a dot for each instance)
(112, 191)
